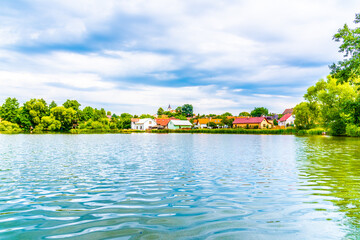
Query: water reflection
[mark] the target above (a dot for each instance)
(330, 168)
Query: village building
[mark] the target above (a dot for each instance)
(142, 124)
(162, 123)
(288, 110)
(179, 124)
(169, 109)
(252, 122)
(287, 120)
(201, 123)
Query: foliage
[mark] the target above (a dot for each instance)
(244, 114)
(66, 116)
(275, 122)
(187, 110)
(52, 105)
(9, 110)
(34, 110)
(259, 111)
(142, 116)
(9, 127)
(72, 104)
(227, 114)
(330, 104)
(160, 111)
(348, 70)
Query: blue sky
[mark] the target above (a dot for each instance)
(136, 56)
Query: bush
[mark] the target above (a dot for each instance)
(8, 127)
(353, 130)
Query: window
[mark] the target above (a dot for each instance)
(149, 122)
(264, 125)
(140, 127)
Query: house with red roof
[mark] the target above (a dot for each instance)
(252, 122)
(162, 123)
(288, 110)
(287, 120)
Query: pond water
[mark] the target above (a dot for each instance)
(179, 186)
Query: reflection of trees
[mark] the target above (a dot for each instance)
(333, 165)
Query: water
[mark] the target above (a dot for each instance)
(179, 186)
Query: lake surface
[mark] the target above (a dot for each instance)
(179, 186)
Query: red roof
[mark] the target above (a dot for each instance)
(288, 110)
(250, 120)
(285, 117)
(135, 119)
(162, 121)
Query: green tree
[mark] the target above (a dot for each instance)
(52, 105)
(66, 116)
(48, 123)
(9, 110)
(72, 104)
(187, 110)
(349, 68)
(146, 116)
(160, 111)
(244, 114)
(304, 116)
(227, 114)
(259, 111)
(36, 109)
(87, 113)
(178, 109)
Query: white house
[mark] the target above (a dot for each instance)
(287, 120)
(142, 124)
(179, 124)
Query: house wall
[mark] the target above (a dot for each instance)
(263, 125)
(289, 121)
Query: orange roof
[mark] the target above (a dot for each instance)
(162, 121)
(203, 121)
(135, 119)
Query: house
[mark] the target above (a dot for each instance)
(179, 124)
(252, 122)
(201, 123)
(288, 110)
(287, 120)
(142, 124)
(133, 122)
(162, 123)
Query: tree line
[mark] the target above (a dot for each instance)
(334, 103)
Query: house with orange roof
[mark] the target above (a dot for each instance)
(162, 123)
(201, 122)
(252, 122)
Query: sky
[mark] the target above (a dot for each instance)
(136, 56)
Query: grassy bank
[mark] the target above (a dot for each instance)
(286, 131)
(13, 129)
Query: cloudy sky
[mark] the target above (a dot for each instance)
(136, 56)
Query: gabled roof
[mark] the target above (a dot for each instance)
(249, 120)
(162, 121)
(216, 120)
(288, 110)
(144, 120)
(135, 119)
(203, 121)
(181, 122)
(285, 117)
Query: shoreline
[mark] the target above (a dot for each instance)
(288, 131)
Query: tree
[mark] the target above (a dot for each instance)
(66, 116)
(36, 109)
(9, 110)
(275, 122)
(304, 116)
(259, 111)
(227, 114)
(52, 105)
(244, 114)
(349, 68)
(72, 104)
(127, 115)
(187, 110)
(108, 113)
(178, 109)
(146, 116)
(160, 111)
(87, 113)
